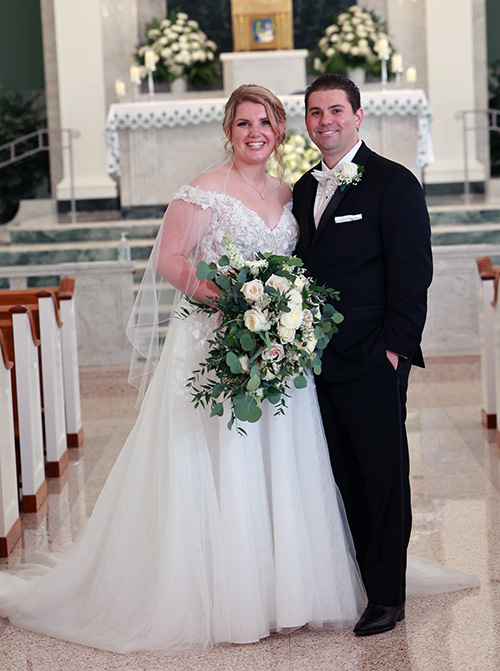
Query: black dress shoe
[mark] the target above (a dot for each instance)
(377, 619)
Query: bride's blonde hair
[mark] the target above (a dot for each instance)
(274, 108)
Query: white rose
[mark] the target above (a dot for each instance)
(244, 361)
(183, 16)
(255, 320)
(295, 298)
(279, 283)
(330, 52)
(292, 319)
(286, 334)
(318, 65)
(274, 353)
(349, 170)
(253, 290)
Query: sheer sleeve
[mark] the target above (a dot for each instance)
(169, 275)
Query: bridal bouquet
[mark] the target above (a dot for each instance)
(275, 325)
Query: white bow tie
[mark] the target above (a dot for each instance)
(324, 177)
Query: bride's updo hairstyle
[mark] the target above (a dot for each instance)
(274, 108)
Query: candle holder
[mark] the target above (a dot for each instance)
(150, 63)
(399, 76)
(384, 78)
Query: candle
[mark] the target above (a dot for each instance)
(411, 75)
(120, 88)
(383, 48)
(135, 74)
(150, 60)
(396, 62)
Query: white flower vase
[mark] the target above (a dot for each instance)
(358, 76)
(179, 85)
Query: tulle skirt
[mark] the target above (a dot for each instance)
(201, 535)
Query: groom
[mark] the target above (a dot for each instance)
(365, 232)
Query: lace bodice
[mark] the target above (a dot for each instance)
(244, 227)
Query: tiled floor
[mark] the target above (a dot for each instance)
(456, 498)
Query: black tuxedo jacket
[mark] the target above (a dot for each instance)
(373, 245)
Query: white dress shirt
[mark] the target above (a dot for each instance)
(325, 193)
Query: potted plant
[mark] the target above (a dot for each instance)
(19, 116)
(180, 49)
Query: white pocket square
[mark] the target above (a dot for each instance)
(348, 217)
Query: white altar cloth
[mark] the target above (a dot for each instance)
(179, 138)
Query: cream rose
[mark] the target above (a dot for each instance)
(255, 320)
(295, 298)
(292, 319)
(253, 290)
(279, 283)
(286, 334)
(274, 353)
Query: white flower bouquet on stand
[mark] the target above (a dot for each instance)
(181, 49)
(299, 156)
(275, 324)
(351, 42)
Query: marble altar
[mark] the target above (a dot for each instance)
(154, 147)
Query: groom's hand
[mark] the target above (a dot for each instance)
(393, 358)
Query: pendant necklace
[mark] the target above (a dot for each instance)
(250, 183)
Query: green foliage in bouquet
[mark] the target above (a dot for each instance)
(181, 48)
(350, 42)
(19, 116)
(299, 156)
(275, 324)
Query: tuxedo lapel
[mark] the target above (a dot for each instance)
(360, 158)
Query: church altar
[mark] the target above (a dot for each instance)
(156, 146)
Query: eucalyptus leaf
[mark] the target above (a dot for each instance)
(218, 409)
(300, 382)
(338, 317)
(253, 383)
(233, 362)
(247, 342)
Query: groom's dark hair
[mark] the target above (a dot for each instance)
(331, 82)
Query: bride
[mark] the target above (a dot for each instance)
(200, 535)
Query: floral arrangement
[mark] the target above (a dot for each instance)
(180, 49)
(351, 41)
(275, 324)
(299, 156)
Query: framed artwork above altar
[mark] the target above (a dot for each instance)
(262, 24)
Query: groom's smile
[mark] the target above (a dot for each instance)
(332, 124)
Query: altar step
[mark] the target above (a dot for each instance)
(454, 224)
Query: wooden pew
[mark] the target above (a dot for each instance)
(22, 346)
(10, 522)
(48, 331)
(488, 276)
(65, 300)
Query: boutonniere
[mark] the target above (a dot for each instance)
(349, 175)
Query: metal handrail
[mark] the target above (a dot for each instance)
(492, 116)
(41, 135)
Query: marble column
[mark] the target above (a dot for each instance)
(452, 56)
(80, 67)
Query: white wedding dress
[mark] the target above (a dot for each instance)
(201, 535)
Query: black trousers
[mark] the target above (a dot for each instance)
(364, 420)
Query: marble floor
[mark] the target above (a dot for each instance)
(456, 500)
